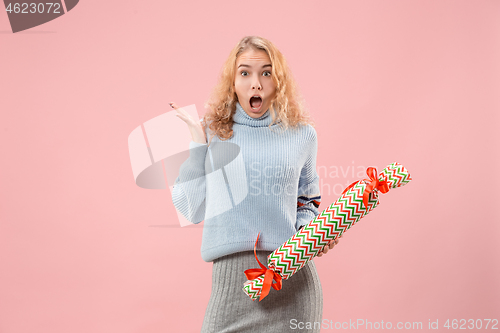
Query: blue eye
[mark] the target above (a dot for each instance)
(243, 72)
(268, 72)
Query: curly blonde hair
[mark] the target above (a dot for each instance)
(287, 106)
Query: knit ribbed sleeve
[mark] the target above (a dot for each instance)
(309, 197)
(188, 194)
(189, 191)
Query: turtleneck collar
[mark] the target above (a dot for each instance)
(242, 118)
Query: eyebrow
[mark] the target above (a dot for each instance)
(268, 65)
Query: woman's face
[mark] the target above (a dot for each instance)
(253, 78)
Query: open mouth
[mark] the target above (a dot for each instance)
(255, 102)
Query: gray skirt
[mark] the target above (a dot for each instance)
(299, 303)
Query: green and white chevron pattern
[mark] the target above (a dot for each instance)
(329, 225)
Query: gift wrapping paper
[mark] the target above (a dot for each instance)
(357, 200)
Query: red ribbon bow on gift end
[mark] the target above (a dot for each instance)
(382, 186)
(269, 274)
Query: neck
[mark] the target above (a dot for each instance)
(242, 118)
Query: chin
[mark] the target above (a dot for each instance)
(257, 115)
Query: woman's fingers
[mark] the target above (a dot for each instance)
(174, 106)
(181, 113)
(184, 116)
(178, 109)
(178, 114)
(338, 239)
(195, 126)
(329, 246)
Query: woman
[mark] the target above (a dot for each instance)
(255, 107)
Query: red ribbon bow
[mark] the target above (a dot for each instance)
(269, 274)
(382, 186)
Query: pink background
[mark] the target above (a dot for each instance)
(84, 249)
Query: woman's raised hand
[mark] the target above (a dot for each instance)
(195, 126)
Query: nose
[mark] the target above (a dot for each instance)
(256, 84)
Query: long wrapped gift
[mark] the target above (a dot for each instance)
(357, 200)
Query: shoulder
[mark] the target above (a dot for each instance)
(308, 133)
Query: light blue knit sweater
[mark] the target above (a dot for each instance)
(257, 181)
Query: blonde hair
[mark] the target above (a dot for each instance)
(287, 106)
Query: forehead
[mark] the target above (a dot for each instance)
(253, 56)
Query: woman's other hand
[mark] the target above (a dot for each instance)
(195, 126)
(329, 246)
